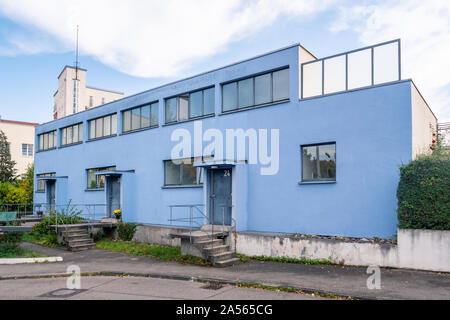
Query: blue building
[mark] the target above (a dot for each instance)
(282, 142)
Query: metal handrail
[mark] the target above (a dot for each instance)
(192, 220)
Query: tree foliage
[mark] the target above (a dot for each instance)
(7, 166)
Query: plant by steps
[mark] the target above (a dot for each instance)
(149, 250)
(68, 215)
(47, 240)
(126, 231)
(245, 258)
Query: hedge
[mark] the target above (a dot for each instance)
(424, 193)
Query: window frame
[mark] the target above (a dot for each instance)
(198, 177)
(43, 175)
(46, 139)
(28, 148)
(188, 94)
(318, 180)
(253, 77)
(98, 169)
(90, 121)
(80, 127)
(151, 105)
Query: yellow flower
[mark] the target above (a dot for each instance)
(117, 211)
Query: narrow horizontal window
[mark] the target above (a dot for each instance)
(190, 105)
(255, 91)
(47, 140)
(181, 174)
(103, 127)
(95, 181)
(41, 183)
(72, 134)
(140, 117)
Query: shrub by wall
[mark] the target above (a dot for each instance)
(424, 193)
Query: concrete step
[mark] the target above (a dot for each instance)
(209, 242)
(200, 235)
(81, 247)
(223, 256)
(212, 250)
(80, 241)
(77, 236)
(226, 263)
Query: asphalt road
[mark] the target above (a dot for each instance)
(134, 288)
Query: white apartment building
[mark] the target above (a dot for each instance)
(20, 136)
(73, 95)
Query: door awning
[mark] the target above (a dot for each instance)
(219, 164)
(52, 178)
(113, 173)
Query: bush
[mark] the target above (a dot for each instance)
(10, 241)
(423, 193)
(69, 215)
(126, 231)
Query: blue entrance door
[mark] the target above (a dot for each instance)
(221, 196)
(51, 194)
(113, 195)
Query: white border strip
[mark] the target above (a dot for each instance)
(30, 260)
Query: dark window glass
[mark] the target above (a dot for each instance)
(181, 174)
(171, 173)
(246, 93)
(97, 181)
(230, 96)
(183, 107)
(319, 162)
(281, 85)
(195, 101)
(171, 110)
(135, 118)
(126, 118)
(154, 114)
(208, 101)
(262, 89)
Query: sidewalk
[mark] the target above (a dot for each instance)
(346, 281)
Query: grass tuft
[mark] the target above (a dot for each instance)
(165, 253)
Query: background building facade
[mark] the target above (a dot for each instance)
(20, 135)
(74, 95)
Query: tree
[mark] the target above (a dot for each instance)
(26, 183)
(7, 170)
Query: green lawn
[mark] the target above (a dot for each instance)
(165, 253)
(18, 253)
(44, 240)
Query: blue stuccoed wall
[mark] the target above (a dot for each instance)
(371, 128)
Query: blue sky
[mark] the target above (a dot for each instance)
(138, 45)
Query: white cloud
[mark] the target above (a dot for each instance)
(151, 38)
(424, 29)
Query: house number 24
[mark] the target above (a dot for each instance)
(227, 173)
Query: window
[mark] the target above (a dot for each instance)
(103, 127)
(182, 174)
(319, 162)
(190, 105)
(91, 101)
(97, 181)
(71, 135)
(27, 150)
(140, 117)
(255, 91)
(41, 183)
(47, 141)
(103, 100)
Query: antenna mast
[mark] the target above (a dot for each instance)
(76, 82)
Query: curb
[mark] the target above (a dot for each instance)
(9, 261)
(182, 278)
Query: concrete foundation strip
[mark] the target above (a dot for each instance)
(183, 278)
(30, 260)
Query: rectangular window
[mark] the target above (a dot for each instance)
(103, 127)
(97, 181)
(41, 183)
(91, 101)
(190, 105)
(140, 117)
(319, 162)
(47, 140)
(255, 91)
(27, 150)
(181, 174)
(71, 135)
